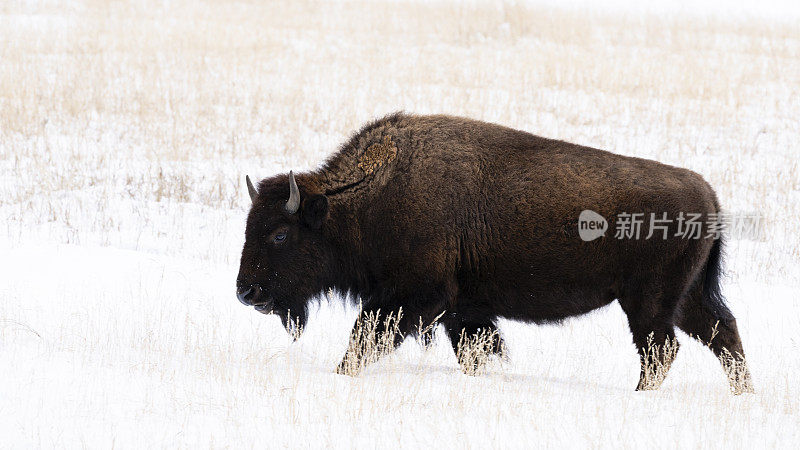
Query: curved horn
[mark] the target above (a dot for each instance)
(293, 204)
(252, 190)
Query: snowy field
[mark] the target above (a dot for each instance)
(126, 129)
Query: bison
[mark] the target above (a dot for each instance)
(462, 222)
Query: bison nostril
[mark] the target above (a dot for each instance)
(242, 294)
(249, 295)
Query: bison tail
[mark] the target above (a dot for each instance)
(712, 277)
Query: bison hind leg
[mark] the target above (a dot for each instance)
(712, 324)
(649, 312)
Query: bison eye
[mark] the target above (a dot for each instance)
(279, 238)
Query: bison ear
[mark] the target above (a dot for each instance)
(315, 209)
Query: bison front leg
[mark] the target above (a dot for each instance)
(473, 342)
(374, 334)
(384, 324)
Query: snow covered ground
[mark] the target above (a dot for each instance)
(125, 132)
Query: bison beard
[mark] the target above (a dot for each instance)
(462, 221)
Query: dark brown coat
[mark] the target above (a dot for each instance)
(443, 214)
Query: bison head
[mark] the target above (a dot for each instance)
(286, 258)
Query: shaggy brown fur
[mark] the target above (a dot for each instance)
(437, 214)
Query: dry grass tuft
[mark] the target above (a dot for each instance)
(657, 361)
(374, 335)
(737, 371)
(475, 350)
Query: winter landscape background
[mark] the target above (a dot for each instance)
(126, 129)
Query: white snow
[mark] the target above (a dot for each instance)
(125, 133)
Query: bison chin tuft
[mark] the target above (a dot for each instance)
(293, 318)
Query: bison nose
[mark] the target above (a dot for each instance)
(242, 293)
(248, 295)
